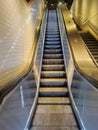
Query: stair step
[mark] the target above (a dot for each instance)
(53, 43)
(53, 92)
(52, 39)
(53, 82)
(53, 67)
(51, 24)
(93, 47)
(93, 50)
(52, 33)
(52, 30)
(53, 36)
(53, 100)
(51, 74)
(52, 46)
(56, 51)
(53, 61)
(53, 56)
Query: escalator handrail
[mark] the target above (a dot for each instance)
(76, 112)
(33, 108)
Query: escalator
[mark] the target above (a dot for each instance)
(92, 44)
(54, 111)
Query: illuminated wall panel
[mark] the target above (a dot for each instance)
(86, 11)
(17, 26)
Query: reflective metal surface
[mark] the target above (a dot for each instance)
(84, 95)
(86, 99)
(15, 109)
(37, 68)
(80, 54)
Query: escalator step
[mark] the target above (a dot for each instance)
(53, 92)
(52, 47)
(52, 43)
(53, 61)
(52, 39)
(55, 120)
(53, 82)
(52, 36)
(52, 33)
(53, 56)
(51, 74)
(53, 100)
(53, 67)
(56, 51)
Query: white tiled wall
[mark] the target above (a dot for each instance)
(17, 25)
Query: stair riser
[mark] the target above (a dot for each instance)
(52, 33)
(53, 56)
(53, 62)
(55, 68)
(52, 40)
(52, 94)
(53, 75)
(53, 84)
(52, 47)
(52, 43)
(53, 51)
(52, 36)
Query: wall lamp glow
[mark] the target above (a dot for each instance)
(60, 3)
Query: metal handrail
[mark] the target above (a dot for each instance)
(42, 32)
(68, 56)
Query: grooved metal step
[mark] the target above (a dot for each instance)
(54, 61)
(52, 30)
(52, 33)
(53, 92)
(56, 51)
(53, 42)
(53, 36)
(53, 100)
(53, 67)
(51, 74)
(53, 82)
(94, 49)
(53, 56)
(52, 47)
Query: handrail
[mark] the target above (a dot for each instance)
(41, 41)
(81, 57)
(69, 72)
